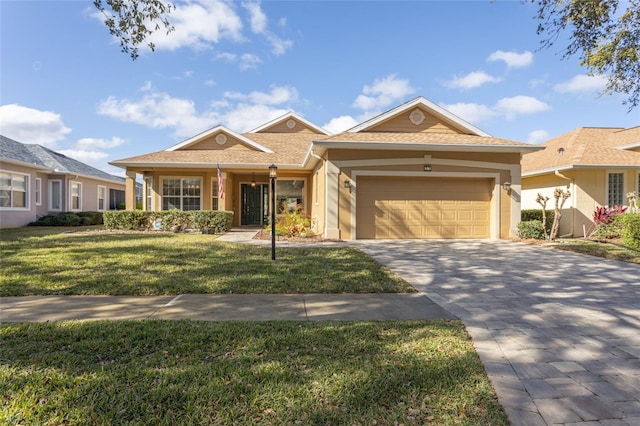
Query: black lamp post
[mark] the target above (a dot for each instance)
(273, 173)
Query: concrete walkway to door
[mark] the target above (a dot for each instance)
(558, 332)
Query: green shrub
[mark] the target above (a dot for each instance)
(292, 223)
(61, 219)
(95, 217)
(631, 230)
(531, 229)
(610, 230)
(169, 220)
(536, 214)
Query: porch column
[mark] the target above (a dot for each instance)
(332, 201)
(130, 190)
(516, 198)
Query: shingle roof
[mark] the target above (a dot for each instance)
(423, 138)
(289, 149)
(44, 157)
(585, 146)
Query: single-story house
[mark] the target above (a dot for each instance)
(415, 171)
(36, 181)
(599, 167)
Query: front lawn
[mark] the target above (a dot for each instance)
(601, 249)
(45, 261)
(236, 373)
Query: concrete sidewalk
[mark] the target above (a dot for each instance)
(226, 307)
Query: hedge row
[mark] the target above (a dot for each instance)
(209, 222)
(536, 214)
(69, 219)
(631, 230)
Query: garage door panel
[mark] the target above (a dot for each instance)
(423, 208)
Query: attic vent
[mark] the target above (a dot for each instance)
(221, 139)
(416, 117)
(560, 151)
(291, 124)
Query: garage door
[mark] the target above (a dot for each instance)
(400, 207)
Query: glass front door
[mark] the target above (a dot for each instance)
(253, 204)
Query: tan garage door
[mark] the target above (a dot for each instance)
(400, 207)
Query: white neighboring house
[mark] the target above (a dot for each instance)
(36, 181)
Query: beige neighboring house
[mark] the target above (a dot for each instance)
(599, 166)
(416, 171)
(36, 181)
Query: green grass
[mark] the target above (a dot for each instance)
(41, 261)
(599, 249)
(236, 373)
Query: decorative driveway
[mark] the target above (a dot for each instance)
(558, 332)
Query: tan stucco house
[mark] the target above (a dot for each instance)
(36, 181)
(599, 166)
(416, 171)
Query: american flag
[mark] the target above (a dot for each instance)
(220, 184)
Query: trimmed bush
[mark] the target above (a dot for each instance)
(66, 219)
(611, 229)
(95, 218)
(531, 229)
(209, 222)
(536, 214)
(631, 229)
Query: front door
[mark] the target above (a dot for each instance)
(252, 213)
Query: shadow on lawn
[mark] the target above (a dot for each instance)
(161, 264)
(244, 373)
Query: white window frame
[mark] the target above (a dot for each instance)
(71, 185)
(215, 201)
(38, 191)
(182, 196)
(148, 196)
(27, 191)
(104, 198)
(622, 192)
(51, 182)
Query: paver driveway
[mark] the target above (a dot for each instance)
(558, 332)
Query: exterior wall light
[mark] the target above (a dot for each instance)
(506, 186)
(347, 183)
(427, 167)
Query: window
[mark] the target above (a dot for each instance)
(38, 191)
(289, 194)
(181, 193)
(75, 195)
(616, 196)
(149, 193)
(102, 197)
(214, 195)
(55, 195)
(13, 190)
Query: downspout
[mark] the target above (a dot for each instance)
(316, 156)
(573, 199)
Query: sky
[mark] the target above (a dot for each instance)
(65, 84)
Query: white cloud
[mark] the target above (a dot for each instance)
(238, 111)
(198, 25)
(278, 95)
(340, 124)
(279, 46)
(473, 113)
(384, 92)
(93, 158)
(249, 61)
(28, 125)
(512, 59)
(582, 83)
(537, 136)
(227, 56)
(88, 143)
(471, 80)
(516, 105)
(257, 18)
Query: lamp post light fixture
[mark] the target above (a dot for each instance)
(273, 174)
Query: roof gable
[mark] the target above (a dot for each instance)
(419, 116)
(289, 123)
(219, 138)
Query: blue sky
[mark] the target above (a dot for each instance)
(65, 84)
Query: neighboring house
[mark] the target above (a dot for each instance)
(416, 171)
(599, 166)
(36, 181)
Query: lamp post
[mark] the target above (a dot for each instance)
(273, 173)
